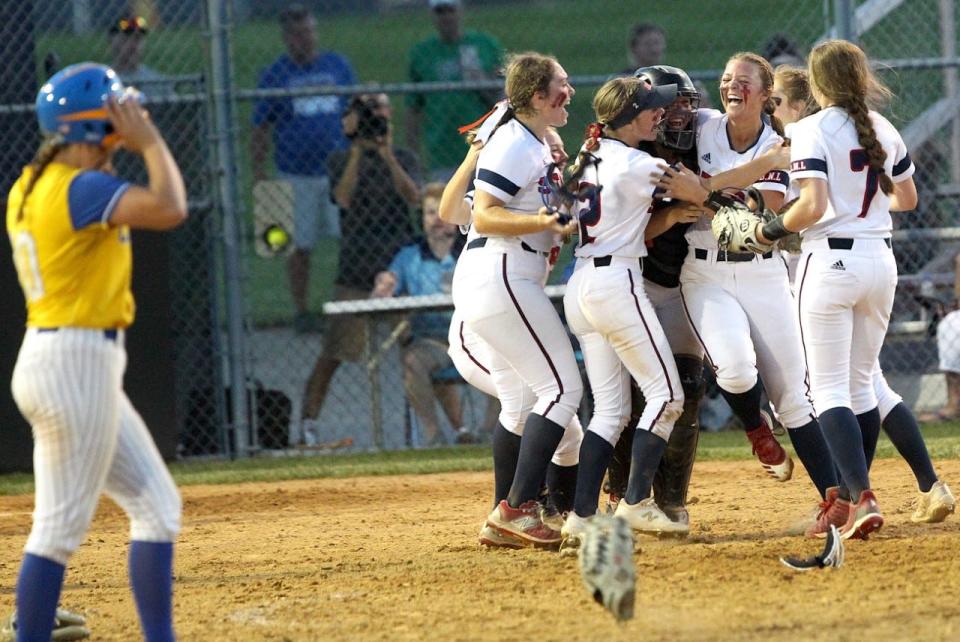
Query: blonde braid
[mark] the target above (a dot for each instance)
(47, 151)
(876, 156)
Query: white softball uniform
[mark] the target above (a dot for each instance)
(740, 305)
(948, 342)
(887, 397)
(848, 274)
(475, 362)
(498, 283)
(668, 304)
(606, 305)
(88, 438)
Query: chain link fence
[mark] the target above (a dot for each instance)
(289, 212)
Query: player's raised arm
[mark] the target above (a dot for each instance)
(163, 204)
(453, 206)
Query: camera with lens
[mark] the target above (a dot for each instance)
(370, 124)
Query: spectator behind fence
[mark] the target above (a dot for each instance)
(948, 349)
(451, 55)
(647, 47)
(306, 130)
(127, 41)
(374, 184)
(421, 268)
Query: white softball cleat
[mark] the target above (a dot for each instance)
(934, 505)
(647, 517)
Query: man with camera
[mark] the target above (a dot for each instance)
(374, 184)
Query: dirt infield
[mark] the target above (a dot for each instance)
(394, 558)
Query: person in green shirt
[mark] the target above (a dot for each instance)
(452, 54)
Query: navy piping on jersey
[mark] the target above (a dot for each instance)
(502, 183)
(529, 130)
(663, 366)
(809, 165)
(553, 368)
(902, 166)
(463, 344)
(803, 343)
(750, 146)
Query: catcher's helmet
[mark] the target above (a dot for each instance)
(679, 128)
(72, 103)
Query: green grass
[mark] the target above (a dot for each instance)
(943, 442)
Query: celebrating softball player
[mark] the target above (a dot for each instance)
(608, 310)
(474, 361)
(675, 141)
(498, 288)
(69, 223)
(852, 169)
(791, 92)
(739, 303)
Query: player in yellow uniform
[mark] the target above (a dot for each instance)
(69, 220)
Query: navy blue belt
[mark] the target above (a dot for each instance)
(732, 257)
(481, 241)
(846, 244)
(109, 335)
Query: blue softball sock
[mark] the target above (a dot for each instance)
(813, 452)
(38, 591)
(870, 429)
(842, 432)
(647, 452)
(151, 578)
(595, 455)
(902, 429)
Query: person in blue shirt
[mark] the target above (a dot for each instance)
(304, 130)
(426, 267)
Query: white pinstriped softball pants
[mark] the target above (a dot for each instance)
(88, 438)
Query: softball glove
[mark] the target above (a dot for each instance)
(735, 223)
(606, 564)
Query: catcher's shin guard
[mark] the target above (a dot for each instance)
(672, 480)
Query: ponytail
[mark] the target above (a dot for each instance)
(47, 151)
(484, 127)
(591, 142)
(876, 156)
(591, 138)
(769, 108)
(840, 73)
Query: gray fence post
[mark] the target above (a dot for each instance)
(948, 49)
(225, 176)
(843, 14)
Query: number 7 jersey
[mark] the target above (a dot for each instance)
(825, 146)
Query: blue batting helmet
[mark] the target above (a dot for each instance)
(72, 103)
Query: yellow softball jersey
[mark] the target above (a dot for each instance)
(74, 267)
